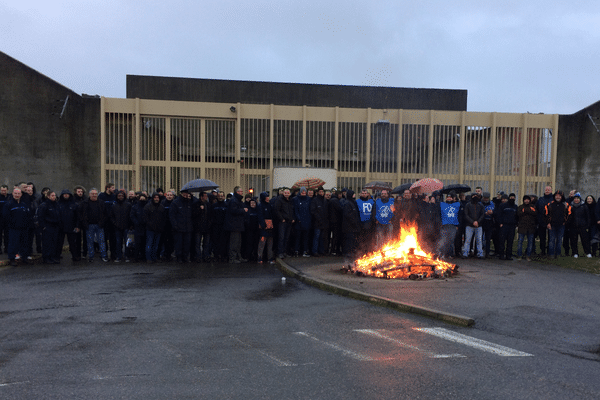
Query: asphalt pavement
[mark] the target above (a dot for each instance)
(516, 298)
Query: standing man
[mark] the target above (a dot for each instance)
(351, 226)
(449, 211)
(49, 220)
(68, 224)
(542, 225)
(218, 235)
(92, 217)
(234, 223)
(155, 217)
(557, 215)
(108, 198)
(3, 228)
(488, 222)
(79, 248)
(284, 212)
(527, 216)
(302, 215)
(180, 215)
(578, 224)
(120, 218)
(320, 221)
(474, 214)
(384, 212)
(365, 208)
(19, 220)
(507, 217)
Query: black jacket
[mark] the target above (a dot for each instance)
(120, 214)
(506, 213)
(557, 213)
(137, 217)
(91, 212)
(180, 214)
(48, 214)
(68, 212)
(473, 212)
(320, 212)
(351, 215)
(284, 210)
(580, 216)
(234, 218)
(155, 217)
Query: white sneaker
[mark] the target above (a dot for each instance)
(589, 256)
(575, 256)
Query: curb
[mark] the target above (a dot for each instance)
(453, 319)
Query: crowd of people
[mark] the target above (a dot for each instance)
(134, 226)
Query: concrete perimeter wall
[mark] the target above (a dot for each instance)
(578, 157)
(35, 143)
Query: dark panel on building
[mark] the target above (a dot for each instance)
(38, 144)
(297, 94)
(577, 163)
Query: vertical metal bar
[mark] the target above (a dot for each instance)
(430, 142)
(103, 134)
(493, 146)
(237, 144)
(136, 148)
(399, 155)
(523, 170)
(271, 142)
(367, 173)
(554, 151)
(461, 148)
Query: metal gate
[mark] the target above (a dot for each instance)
(149, 143)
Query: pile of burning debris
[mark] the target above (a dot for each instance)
(402, 259)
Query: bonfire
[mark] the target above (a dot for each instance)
(403, 258)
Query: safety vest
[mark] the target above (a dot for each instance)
(365, 207)
(384, 212)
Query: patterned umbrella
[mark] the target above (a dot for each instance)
(199, 185)
(427, 185)
(378, 185)
(309, 183)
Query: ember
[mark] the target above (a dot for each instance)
(402, 259)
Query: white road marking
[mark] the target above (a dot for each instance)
(275, 360)
(346, 352)
(474, 342)
(13, 383)
(382, 334)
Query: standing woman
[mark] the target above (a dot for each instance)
(49, 223)
(590, 202)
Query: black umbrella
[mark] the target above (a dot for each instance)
(456, 187)
(400, 189)
(199, 185)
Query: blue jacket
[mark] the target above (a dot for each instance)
(17, 215)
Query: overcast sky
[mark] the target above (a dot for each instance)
(511, 56)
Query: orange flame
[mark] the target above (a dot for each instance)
(403, 258)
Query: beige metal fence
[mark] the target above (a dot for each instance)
(149, 143)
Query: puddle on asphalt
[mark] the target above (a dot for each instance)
(277, 290)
